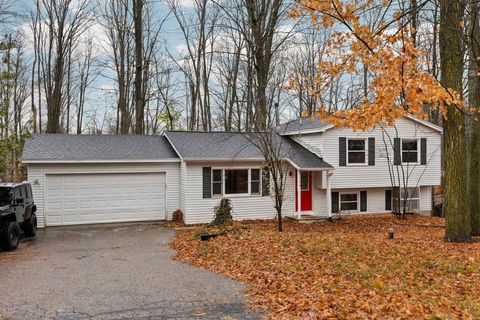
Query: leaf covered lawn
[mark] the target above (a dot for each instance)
(346, 269)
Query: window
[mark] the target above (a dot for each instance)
(236, 181)
(217, 182)
(409, 151)
(304, 183)
(356, 151)
(406, 200)
(255, 181)
(348, 202)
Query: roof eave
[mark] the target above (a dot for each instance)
(426, 123)
(309, 131)
(30, 161)
(295, 165)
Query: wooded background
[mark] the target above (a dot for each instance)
(138, 66)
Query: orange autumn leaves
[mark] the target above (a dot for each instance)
(347, 269)
(398, 84)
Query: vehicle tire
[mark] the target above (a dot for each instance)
(30, 227)
(9, 235)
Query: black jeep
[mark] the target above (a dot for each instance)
(17, 210)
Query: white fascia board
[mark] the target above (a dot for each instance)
(426, 123)
(299, 132)
(102, 161)
(251, 160)
(222, 159)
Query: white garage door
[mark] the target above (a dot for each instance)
(97, 198)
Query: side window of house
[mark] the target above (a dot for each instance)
(409, 151)
(356, 151)
(255, 181)
(217, 182)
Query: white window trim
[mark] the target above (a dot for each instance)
(418, 150)
(366, 152)
(223, 182)
(238, 195)
(340, 201)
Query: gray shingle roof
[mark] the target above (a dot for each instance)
(96, 147)
(231, 145)
(302, 124)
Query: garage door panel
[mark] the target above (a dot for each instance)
(94, 198)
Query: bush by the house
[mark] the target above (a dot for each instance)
(223, 212)
(177, 216)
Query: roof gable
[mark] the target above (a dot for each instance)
(315, 125)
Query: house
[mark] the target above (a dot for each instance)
(82, 179)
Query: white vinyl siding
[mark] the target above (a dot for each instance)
(38, 172)
(200, 210)
(377, 175)
(183, 188)
(375, 200)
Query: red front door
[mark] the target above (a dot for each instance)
(306, 191)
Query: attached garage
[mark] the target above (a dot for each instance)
(102, 179)
(104, 197)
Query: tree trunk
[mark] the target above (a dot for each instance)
(458, 228)
(474, 101)
(139, 96)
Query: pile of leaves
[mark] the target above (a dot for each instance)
(346, 269)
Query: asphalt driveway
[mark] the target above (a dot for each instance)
(112, 272)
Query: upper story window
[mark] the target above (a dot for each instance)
(356, 151)
(409, 151)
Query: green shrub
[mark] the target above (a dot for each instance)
(223, 212)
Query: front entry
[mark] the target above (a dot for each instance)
(306, 190)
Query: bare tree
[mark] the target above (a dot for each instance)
(198, 31)
(85, 62)
(59, 25)
(276, 151)
(118, 25)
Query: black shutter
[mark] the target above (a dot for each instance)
(265, 182)
(363, 201)
(371, 151)
(207, 182)
(397, 156)
(342, 147)
(388, 200)
(423, 149)
(335, 202)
